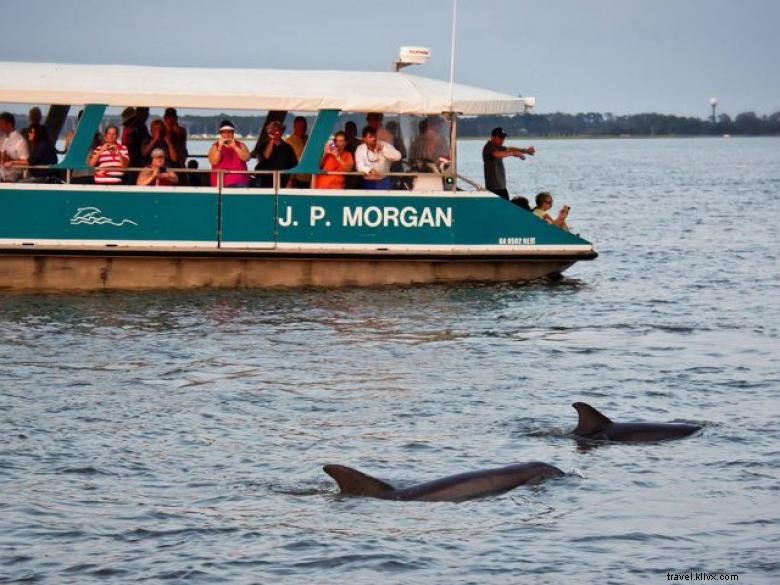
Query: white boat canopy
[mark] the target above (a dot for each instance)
(244, 89)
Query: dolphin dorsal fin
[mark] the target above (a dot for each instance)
(354, 483)
(591, 420)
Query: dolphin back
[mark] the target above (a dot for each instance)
(591, 421)
(352, 482)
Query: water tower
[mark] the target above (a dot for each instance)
(713, 105)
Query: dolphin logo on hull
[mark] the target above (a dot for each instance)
(454, 488)
(595, 426)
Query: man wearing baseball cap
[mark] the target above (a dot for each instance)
(493, 155)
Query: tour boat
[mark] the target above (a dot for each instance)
(66, 237)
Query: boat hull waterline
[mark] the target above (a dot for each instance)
(76, 237)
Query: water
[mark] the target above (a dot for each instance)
(179, 437)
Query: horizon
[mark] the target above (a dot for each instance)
(605, 56)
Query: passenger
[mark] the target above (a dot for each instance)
(42, 152)
(336, 159)
(522, 202)
(373, 159)
(298, 140)
(132, 139)
(156, 174)
(227, 153)
(398, 144)
(544, 202)
(194, 179)
(34, 117)
(108, 157)
(178, 136)
(14, 151)
(160, 139)
(493, 155)
(417, 148)
(274, 154)
(431, 147)
(374, 120)
(351, 131)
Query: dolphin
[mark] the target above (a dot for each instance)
(595, 426)
(454, 488)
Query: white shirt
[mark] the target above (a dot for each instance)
(367, 160)
(14, 148)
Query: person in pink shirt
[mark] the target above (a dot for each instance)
(227, 153)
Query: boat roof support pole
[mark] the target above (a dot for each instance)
(271, 116)
(319, 135)
(453, 172)
(55, 120)
(76, 157)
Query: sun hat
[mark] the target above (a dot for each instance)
(157, 152)
(226, 125)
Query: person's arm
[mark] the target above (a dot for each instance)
(345, 161)
(390, 152)
(124, 156)
(215, 154)
(95, 156)
(560, 221)
(147, 146)
(146, 177)
(173, 156)
(242, 151)
(268, 150)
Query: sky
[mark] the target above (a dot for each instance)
(619, 56)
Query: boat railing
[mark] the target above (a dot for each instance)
(403, 181)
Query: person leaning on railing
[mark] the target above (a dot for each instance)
(373, 158)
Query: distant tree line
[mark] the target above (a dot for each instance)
(595, 124)
(557, 124)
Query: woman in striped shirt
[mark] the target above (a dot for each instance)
(108, 156)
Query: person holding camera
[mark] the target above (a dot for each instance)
(156, 174)
(336, 159)
(274, 154)
(160, 140)
(227, 153)
(109, 159)
(544, 203)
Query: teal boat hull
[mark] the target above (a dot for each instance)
(72, 237)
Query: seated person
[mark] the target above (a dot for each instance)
(336, 159)
(521, 202)
(156, 174)
(274, 154)
(544, 202)
(227, 153)
(194, 179)
(109, 159)
(373, 159)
